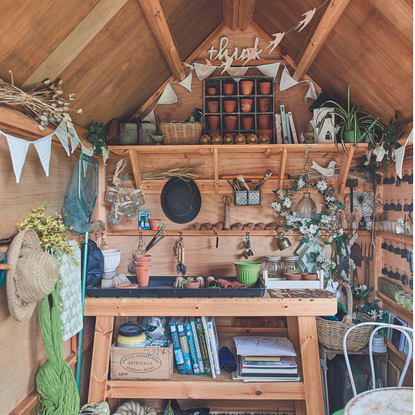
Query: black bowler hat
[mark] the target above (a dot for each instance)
(180, 200)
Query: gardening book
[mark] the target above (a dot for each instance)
(262, 358)
(184, 346)
(214, 342)
(203, 347)
(278, 128)
(197, 345)
(192, 347)
(176, 346)
(259, 363)
(283, 125)
(263, 346)
(208, 346)
(288, 367)
(290, 138)
(293, 131)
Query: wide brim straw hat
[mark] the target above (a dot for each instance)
(180, 200)
(32, 276)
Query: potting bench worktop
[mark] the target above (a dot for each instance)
(302, 332)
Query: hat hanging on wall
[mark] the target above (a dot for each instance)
(32, 276)
(180, 200)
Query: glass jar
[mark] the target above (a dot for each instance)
(272, 267)
(131, 335)
(293, 265)
(110, 195)
(137, 197)
(128, 209)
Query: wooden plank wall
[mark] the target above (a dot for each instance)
(21, 344)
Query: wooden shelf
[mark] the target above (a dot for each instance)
(396, 309)
(401, 355)
(396, 238)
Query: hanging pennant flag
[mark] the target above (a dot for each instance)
(274, 43)
(74, 138)
(168, 96)
(287, 81)
(308, 16)
(62, 133)
(311, 92)
(202, 72)
(270, 70)
(105, 154)
(399, 155)
(191, 67)
(187, 82)
(89, 151)
(18, 151)
(151, 116)
(237, 71)
(44, 148)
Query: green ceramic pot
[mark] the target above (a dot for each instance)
(247, 272)
(348, 137)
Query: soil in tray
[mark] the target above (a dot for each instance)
(162, 287)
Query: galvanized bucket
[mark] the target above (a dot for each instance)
(128, 134)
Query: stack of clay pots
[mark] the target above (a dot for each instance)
(142, 269)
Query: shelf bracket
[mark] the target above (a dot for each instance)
(282, 167)
(136, 168)
(344, 171)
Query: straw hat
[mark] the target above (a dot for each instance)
(32, 276)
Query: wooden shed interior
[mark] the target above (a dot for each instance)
(119, 56)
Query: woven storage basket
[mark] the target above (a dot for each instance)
(331, 333)
(181, 132)
(388, 288)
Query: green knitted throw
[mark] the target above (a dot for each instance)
(58, 394)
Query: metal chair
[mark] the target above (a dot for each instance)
(379, 326)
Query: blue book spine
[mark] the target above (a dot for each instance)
(192, 348)
(177, 349)
(185, 349)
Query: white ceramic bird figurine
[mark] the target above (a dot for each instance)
(325, 171)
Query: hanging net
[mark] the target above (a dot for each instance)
(82, 194)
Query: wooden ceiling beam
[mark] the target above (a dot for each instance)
(156, 18)
(332, 14)
(75, 42)
(231, 13)
(246, 13)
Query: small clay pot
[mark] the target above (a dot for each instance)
(265, 88)
(143, 277)
(247, 122)
(127, 286)
(230, 121)
(246, 105)
(211, 90)
(191, 284)
(229, 105)
(264, 121)
(155, 224)
(309, 276)
(213, 106)
(263, 104)
(246, 87)
(293, 276)
(142, 258)
(228, 89)
(213, 121)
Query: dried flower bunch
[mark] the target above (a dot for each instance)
(44, 103)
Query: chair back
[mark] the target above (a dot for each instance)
(378, 326)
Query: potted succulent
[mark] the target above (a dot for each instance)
(353, 123)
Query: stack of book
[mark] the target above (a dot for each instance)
(265, 359)
(196, 345)
(285, 128)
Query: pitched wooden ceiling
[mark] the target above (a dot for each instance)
(116, 53)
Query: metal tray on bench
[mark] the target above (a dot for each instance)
(162, 287)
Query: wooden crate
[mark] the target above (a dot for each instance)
(141, 362)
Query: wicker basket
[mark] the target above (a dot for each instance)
(331, 333)
(181, 132)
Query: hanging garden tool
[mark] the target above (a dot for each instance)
(226, 200)
(367, 257)
(248, 251)
(178, 251)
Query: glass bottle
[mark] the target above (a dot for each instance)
(306, 208)
(273, 267)
(293, 265)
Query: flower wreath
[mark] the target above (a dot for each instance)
(310, 228)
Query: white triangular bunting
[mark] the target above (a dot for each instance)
(311, 92)
(89, 151)
(201, 71)
(18, 151)
(269, 70)
(62, 133)
(74, 138)
(168, 96)
(105, 154)
(237, 71)
(287, 81)
(187, 82)
(150, 117)
(44, 148)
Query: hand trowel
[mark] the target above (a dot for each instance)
(356, 255)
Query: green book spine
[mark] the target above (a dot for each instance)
(203, 347)
(284, 125)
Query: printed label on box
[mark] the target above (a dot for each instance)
(143, 220)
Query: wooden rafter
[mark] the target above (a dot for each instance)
(332, 14)
(246, 13)
(156, 18)
(76, 41)
(238, 14)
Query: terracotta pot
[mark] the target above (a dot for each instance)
(211, 90)
(246, 87)
(265, 88)
(246, 105)
(264, 121)
(213, 121)
(228, 89)
(212, 106)
(230, 121)
(127, 286)
(263, 104)
(143, 276)
(139, 258)
(247, 122)
(155, 224)
(229, 106)
(191, 284)
(293, 276)
(309, 276)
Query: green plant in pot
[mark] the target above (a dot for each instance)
(353, 123)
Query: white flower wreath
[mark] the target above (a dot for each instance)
(310, 228)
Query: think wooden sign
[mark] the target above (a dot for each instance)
(223, 52)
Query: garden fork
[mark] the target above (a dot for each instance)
(367, 258)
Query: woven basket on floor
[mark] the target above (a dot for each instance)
(181, 132)
(331, 333)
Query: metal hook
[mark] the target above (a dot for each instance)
(140, 233)
(306, 154)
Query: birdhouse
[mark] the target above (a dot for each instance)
(325, 125)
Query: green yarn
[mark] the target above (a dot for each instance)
(58, 394)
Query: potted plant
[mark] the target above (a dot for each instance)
(353, 123)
